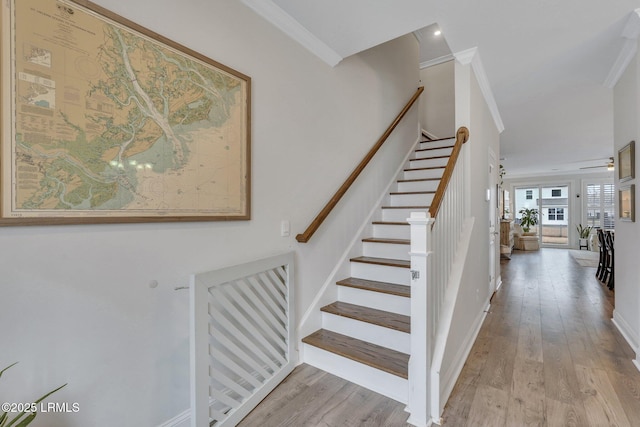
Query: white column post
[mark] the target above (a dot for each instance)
(199, 351)
(420, 359)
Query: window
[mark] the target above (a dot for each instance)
(600, 205)
(529, 195)
(556, 193)
(556, 214)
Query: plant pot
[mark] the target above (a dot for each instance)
(584, 243)
(530, 233)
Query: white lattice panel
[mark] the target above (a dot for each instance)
(242, 338)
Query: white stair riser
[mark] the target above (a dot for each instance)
(392, 231)
(423, 174)
(436, 144)
(446, 151)
(385, 337)
(389, 385)
(398, 215)
(428, 163)
(377, 300)
(381, 273)
(431, 185)
(386, 250)
(411, 199)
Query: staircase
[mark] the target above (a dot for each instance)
(365, 335)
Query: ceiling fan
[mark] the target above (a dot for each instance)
(609, 165)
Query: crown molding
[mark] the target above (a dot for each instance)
(292, 28)
(472, 56)
(627, 52)
(437, 61)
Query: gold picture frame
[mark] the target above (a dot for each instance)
(626, 162)
(106, 121)
(627, 203)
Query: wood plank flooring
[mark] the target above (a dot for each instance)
(547, 355)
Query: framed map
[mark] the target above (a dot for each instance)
(106, 121)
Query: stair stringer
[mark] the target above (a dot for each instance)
(442, 383)
(312, 318)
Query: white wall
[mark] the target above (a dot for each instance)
(474, 292)
(626, 128)
(437, 104)
(75, 304)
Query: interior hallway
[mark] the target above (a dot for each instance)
(547, 355)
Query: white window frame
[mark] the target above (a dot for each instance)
(585, 203)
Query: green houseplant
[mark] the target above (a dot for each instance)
(528, 219)
(584, 232)
(25, 417)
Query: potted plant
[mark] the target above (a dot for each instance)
(583, 234)
(528, 219)
(25, 412)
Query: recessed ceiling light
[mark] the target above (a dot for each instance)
(437, 33)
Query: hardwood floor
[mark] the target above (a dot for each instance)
(547, 355)
(310, 397)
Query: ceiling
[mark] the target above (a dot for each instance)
(547, 62)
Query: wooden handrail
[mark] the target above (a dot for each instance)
(324, 213)
(462, 136)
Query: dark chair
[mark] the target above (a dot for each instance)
(610, 267)
(602, 262)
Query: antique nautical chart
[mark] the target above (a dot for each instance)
(104, 120)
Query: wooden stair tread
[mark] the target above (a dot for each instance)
(429, 158)
(389, 223)
(405, 207)
(375, 286)
(425, 169)
(383, 261)
(386, 319)
(434, 148)
(378, 357)
(419, 180)
(412, 192)
(439, 139)
(386, 240)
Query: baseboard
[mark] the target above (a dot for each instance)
(626, 331)
(452, 374)
(429, 134)
(181, 420)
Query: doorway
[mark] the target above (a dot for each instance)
(553, 211)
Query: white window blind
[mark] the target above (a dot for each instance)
(600, 210)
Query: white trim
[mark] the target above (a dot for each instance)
(418, 36)
(628, 50)
(180, 420)
(437, 61)
(288, 25)
(447, 314)
(472, 56)
(429, 134)
(626, 330)
(452, 374)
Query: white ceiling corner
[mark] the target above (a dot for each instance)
(437, 61)
(627, 52)
(292, 28)
(550, 66)
(472, 56)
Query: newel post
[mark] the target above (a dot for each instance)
(420, 359)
